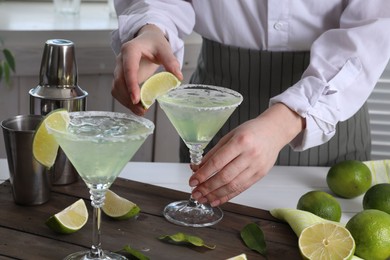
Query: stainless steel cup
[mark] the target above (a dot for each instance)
(58, 88)
(30, 181)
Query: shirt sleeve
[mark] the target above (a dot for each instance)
(345, 64)
(175, 18)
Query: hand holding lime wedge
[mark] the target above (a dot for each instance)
(157, 85)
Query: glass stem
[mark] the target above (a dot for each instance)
(97, 200)
(196, 156)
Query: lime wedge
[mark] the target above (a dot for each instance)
(157, 85)
(238, 257)
(70, 219)
(326, 241)
(118, 207)
(45, 147)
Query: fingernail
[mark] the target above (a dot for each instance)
(215, 203)
(194, 183)
(178, 72)
(202, 200)
(196, 195)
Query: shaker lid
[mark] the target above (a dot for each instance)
(58, 72)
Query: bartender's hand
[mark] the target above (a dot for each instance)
(245, 155)
(138, 60)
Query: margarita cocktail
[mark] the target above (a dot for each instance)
(197, 112)
(99, 144)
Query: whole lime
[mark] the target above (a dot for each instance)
(371, 230)
(321, 204)
(378, 197)
(349, 179)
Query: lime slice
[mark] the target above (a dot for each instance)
(157, 85)
(326, 241)
(238, 257)
(45, 147)
(70, 219)
(118, 207)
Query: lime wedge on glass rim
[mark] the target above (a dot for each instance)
(326, 241)
(157, 85)
(118, 207)
(69, 220)
(45, 147)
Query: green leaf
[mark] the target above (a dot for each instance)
(10, 59)
(131, 253)
(253, 237)
(1, 71)
(7, 73)
(181, 238)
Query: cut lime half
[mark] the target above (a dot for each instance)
(322, 241)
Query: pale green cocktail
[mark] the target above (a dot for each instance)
(99, 144)
(197, 112)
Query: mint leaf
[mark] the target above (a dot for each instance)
(181, 238)
(253, 237)
(131, 253)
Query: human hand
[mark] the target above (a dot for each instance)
(244, 155)
(138, 60)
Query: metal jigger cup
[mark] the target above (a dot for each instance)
(30, 181)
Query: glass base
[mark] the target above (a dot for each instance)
(192, 214)
(84, 255)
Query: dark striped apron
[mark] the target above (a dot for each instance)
(260, 75)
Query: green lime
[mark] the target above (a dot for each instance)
(321, 204)
(378, 197)
(349, 179)
(371, 230)
(69, 220)
(118, 207)
(323, 241)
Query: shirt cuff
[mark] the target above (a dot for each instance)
(126, 33)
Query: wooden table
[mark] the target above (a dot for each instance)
(23, 234)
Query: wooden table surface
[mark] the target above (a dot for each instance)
(23, 234)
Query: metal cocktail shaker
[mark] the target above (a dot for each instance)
(58, 88)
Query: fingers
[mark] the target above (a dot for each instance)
(235, 186)
(121, 92)
(239, 159)
(139, 59)
(131, 60)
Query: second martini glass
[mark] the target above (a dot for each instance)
(99, 144)
(197, 112)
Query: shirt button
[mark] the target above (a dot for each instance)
(278, 26)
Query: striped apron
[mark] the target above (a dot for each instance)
(260, 75)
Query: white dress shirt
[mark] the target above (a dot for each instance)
(349, 42)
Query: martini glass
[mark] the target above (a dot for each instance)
(197, 112)
(99, 144)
